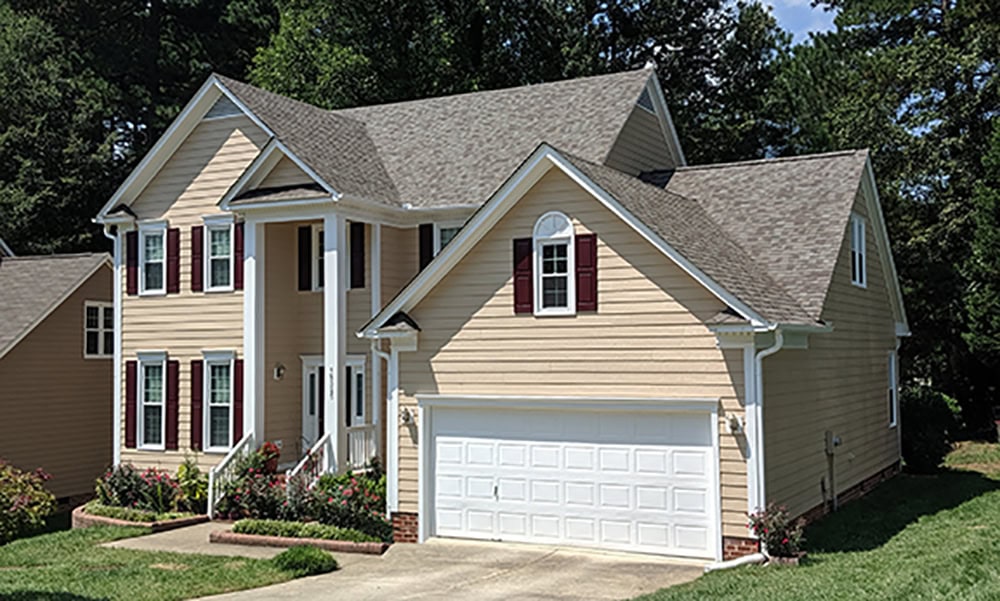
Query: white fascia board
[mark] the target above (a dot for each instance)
(150, 165)
(260, 167)
(537, 165)
(666, 121)
(591, 403)
(870, 190)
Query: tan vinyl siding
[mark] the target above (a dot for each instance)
(56, 405)
(840, 384)
(285, 173)
(640, 145)
(647, 339)
(188, 187)
(399, 259)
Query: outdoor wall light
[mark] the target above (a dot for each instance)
(279, 372)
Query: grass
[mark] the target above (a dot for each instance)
(914, 538)
(301, 530)
(130, 514)
(71, 566)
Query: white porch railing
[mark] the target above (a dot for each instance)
(320, 460)
(360, 446)
(224, 471)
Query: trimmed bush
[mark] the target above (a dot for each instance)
(353, 501)
(929, 424)
(193, 484)
(301, 530)
(305, 561)
(130, 514)
(150, 490)
(24, 502)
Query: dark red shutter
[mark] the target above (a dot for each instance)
(173, 260)
(305, 257)
(238, 257)
(524, 301)
(197, 417)
(586, 272)
(130, 403)
(357, 255)
(197, 258)
(426, 244)
(237, 400)
(132, 262)
(173, 398)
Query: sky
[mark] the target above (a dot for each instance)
(799, 17)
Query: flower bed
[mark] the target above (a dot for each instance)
(291, 529)
(83, 518)
(263, 540)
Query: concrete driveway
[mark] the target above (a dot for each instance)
(453, 569)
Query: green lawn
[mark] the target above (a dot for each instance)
(914, 538)
(69, 566)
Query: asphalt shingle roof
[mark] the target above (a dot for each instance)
(450, 150)
(31, 287)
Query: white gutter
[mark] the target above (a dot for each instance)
(116, 373)
(735, 563)
(758, 433)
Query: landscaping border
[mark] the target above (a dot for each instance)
(82, 519)
(261, 540)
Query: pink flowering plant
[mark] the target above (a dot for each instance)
(24, 502)
(152, 489)
(257, 492)
(355, 501)
(782, 537)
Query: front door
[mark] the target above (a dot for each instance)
(312, 401)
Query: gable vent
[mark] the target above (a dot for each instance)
(645, 100)
(223, 107)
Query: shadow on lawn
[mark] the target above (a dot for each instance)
(871, 521)
(46, 596)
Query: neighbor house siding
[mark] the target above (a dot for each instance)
(188, 187)
(56, 405)
(839, 384)
(285, 173)
(647, 339)
(640, 145)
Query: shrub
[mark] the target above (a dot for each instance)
(305, 561)
(353, 501)
(193, 487)
(151, 490)
(130, 514)
(160, 492)
(301, 530)
(256, 492)
(781, 536)
(928, 427)
(24, 502)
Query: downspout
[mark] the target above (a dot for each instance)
(391, 428)
(758, 435)
(116, 373)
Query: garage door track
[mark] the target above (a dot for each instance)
(453, 569)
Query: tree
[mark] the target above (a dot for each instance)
(983, 298)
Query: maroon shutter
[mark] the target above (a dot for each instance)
(197, 259)
(426, 244)
(586, 272)
(524, 301)
(197, 418)
(237, 400)
(305, 257)
(238, 257)
(130, 403)
(132, 263)
(173, 260)
(357, 255)
(173, 383)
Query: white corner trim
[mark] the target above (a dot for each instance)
(586, 403)
(116, 377)
(750, 417)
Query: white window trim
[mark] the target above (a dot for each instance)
(568, 238)
(859, 251)
(216, 358)
(437, 232)
(145, 229)
(148, 358)
(102, 353)
(893, 389)
(357, 365)
(207, 255)
(315, 255)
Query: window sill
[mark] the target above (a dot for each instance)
(555, 313)
(152, 293)
(98, 356)
(218, 290)
(155, 449)
(857, 285)
(217, 450)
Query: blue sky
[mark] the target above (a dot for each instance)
(799, 17)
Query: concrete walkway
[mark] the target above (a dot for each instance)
(193, 539)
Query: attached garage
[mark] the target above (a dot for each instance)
(634, 475)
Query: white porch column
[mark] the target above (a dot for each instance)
(116, 378)
(334, 330)
(254, 370)
(375, 287)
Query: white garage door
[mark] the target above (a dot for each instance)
(631, 481)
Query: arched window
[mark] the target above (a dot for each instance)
(555, 284)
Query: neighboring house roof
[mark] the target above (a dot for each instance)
(5, 250)
(789, 214)
(450, 150)
(32, 287)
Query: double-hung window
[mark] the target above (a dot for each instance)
(555, 284)
(218, 396)
(152, 266)
(98, 329)
(859, 275)
(152, 392)
(443, 234)
(317, 263)
(219, 256)
(893, 389)
(355, 380)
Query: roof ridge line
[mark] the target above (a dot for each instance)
(773, 160)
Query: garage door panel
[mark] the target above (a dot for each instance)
(562, 487)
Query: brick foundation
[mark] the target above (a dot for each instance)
(405, 527)
(734, 546)
(853, 493)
